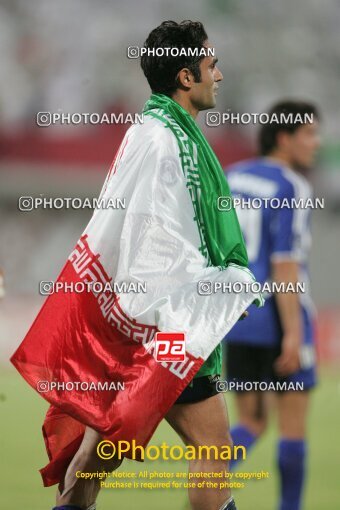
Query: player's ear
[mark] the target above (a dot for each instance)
(185, 78)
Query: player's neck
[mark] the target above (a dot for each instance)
(280, 157)
(185, 102)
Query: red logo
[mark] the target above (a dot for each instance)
(170, 346)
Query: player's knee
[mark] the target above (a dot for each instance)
(209, 440)
(256, 424)
(219, 442)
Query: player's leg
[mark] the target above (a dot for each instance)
(252, 419)
(246, 363)
(292, 421)
(204, 423)
(80, 492)
(252, 411)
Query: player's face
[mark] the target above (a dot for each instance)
(304, 143)
(203, 93)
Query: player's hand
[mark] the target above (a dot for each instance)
(289, 360)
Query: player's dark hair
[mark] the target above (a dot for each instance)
(269, 132)
(161, 71)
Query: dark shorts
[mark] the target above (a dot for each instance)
(256, 364)
(199, 388)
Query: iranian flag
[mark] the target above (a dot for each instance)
(98, 336)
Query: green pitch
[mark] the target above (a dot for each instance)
(22, 453)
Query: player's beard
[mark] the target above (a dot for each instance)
(210, 102)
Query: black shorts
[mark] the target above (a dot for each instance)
(246, 363)
(199, 389)
(250, 363)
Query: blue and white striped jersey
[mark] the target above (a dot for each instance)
(272, 233)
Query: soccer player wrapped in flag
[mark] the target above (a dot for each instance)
(170, 236)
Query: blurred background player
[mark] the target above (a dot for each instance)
(276, 343)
